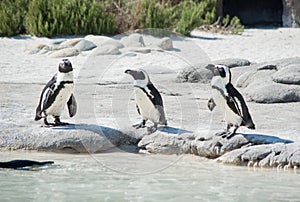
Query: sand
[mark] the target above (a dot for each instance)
(104, 93)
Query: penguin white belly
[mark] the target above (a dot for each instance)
(231, 117)
(218, 99)
(146, 107)
(60, 101)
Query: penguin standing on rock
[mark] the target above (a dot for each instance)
(148, 100)
(57, 93)
(227, 97)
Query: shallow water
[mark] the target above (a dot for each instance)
(120, 176)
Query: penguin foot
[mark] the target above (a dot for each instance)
(139, 125)
(226, 134)
(57, 122)
(151, 129)
(222, 133)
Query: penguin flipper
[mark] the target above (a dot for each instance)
(72, 106)
(44, 98)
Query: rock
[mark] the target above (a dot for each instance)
(165, 43)
(266, 67)
(107, 50)
(71, 42)
(137, 50)
(270, 92)
(255, 78)
(274, 155)
(286, 62)
(163, 143)
(266, 82)
(97, 40)
(85, 45)
(113, 42)
(232, 62)
(80, 138)
(133, 40)
(55, 47)
(196, 74)
(288, 75)
(35, 48)
(57, 41)
(67, 52)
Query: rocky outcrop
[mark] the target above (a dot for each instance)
(274, 82)
(242, 149)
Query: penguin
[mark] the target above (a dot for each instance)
(57, 93)
(228, 98)
(24, 164)
(149, 102)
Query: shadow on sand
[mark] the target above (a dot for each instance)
(172, 130)
(265, 139)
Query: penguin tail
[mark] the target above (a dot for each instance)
(252, 126)
(37, 117)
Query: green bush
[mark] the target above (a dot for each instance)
(68, 17)
(192, 15)
(12, 13)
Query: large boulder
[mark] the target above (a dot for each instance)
(288, 75)
(273, 82)
(85, 45)
(195, 74)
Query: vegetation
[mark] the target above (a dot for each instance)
(69, 17)
(12, 13)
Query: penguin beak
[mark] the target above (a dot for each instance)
(127, 71)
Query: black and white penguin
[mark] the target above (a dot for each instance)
(57, 93)
(148, 100)
(227, 97)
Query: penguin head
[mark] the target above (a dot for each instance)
(65, 66)
(221, 70)
(140, 76)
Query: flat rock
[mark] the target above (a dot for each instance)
(97, 40)
(107, 50)
(112, 42)
(288, 75)
(232, 62)
(35, 48)
(71, 42)
(85, 45)
(67, 52)
(80, 138)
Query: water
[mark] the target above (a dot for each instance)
(121, 176)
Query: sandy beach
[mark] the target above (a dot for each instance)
(104, 92)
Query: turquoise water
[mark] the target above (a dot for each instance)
(120, 176)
